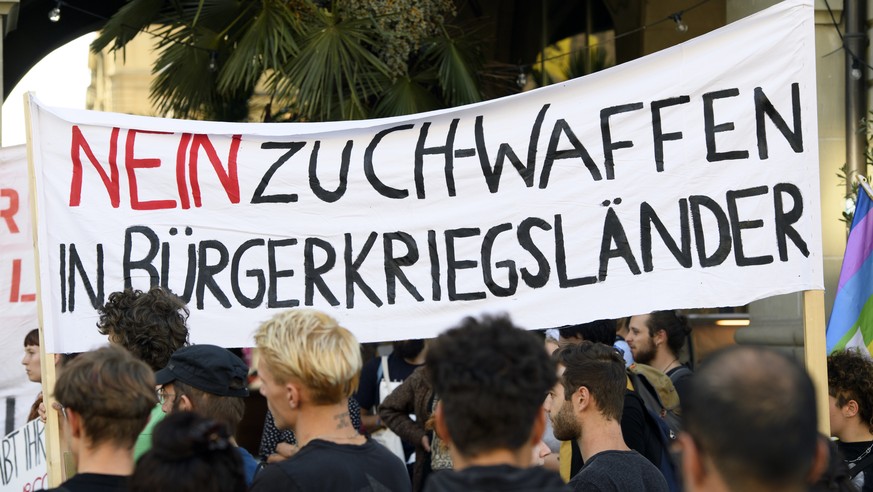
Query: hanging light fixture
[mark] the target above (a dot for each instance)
(680, 26)
(54, 14)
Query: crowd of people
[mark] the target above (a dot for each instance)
(485, 406)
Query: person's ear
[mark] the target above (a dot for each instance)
(850, 409)
(693, 467)
(820, 461)
(581, 399)
(539, 427)
(660, 337)
(184, 404)
(294, 393)
(73, 422)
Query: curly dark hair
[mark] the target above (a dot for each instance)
(151, 325)
(674, 325)
(850, 377)
(492, 379)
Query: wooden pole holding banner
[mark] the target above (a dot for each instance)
(52, 426)
(815, 353)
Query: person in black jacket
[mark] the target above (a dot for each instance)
(492, 378)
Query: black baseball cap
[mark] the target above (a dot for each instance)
(209, 368)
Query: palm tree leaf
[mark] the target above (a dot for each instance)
(457, 64)
(334, 73)
(266, 43)
(406, 96)
(133, 17)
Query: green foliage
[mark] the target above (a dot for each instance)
(848, 212)
(317, 60)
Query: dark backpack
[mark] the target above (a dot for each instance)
(659, 395)
(667, 466)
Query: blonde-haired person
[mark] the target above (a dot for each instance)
(309, 367)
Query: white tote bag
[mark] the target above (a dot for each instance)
(385, 436)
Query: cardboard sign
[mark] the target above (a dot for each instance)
(688, 178)
(22, 459)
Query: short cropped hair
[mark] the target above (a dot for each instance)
(190, 453)
(112, 391)
(753, 411)
(599, 331)
(32, 338)
(151, 325)
(492, 379)
(310, 346)
(674, 325)
(228, 410)
(850, 377)
(599, 368)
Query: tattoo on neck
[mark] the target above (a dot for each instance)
(342, 420)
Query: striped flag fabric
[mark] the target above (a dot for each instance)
(851, 322)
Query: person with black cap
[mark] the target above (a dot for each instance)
(210, 381)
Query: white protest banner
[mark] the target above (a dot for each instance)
(688, 178)
(17, 287)
(22, 459)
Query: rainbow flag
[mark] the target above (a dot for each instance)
(851, 323)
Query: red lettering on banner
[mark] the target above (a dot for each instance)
(131, 164)
(15, 287)
(180, 170)
(8, 213)
(77, 146)
(229, 179)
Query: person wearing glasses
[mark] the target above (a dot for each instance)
(105, 398)
(210, 381)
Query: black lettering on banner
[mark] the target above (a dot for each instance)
(724, 230)
(258, 196)
(33, 447)
(10, 457)
(370, 171)
(257, 274)
(434, 266)
(509, 265)
(785, 219)
(710, 128)
(313, 275)
(613, 233)
(447, 150)
(737, 225)
(144, 264)
(273, 300)
(578, 151)
(206, 272)
(526, 241)
(452, 264)
(315, 183)
(353, 277)
(606, 133)
(505, 151)
(393, 264)
(561, 260)
(764, 106)
(63, 272)
(191, 273)
(96, 297)
(658, 135)
(649, 218)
